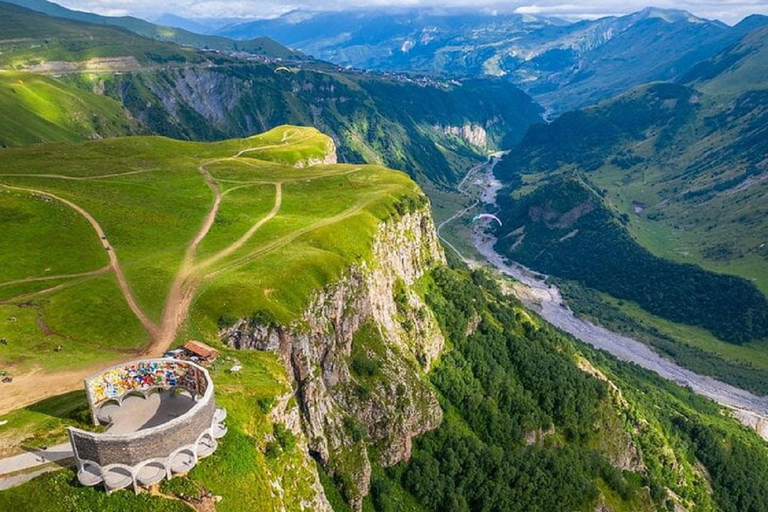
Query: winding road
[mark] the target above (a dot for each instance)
(535, 293)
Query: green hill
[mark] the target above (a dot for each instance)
(37, 109)
(738, 69)
(258, 45)
(149, 196)
(28, 38)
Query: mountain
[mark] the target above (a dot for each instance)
(564, 66)
(206, 26)
(678, 179)
(32, 40)
(360, 368)
(430, 128)
(370, 373)
(255, 45)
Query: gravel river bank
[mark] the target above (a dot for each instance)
(545, 299)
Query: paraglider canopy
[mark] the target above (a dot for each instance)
(487, 216)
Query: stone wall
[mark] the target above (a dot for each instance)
(153, 443)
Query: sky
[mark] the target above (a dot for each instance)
(729, 11)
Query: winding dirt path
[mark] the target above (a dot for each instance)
(96, 272)
(114, 263)
(36, 385)
(248, 234)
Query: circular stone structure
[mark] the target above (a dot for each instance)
(160, 418)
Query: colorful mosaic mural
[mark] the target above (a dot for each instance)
(143, 376)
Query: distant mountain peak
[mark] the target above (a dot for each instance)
(668, 15)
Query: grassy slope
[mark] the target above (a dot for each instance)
(150, 208)
(36, 109)
(28, 37)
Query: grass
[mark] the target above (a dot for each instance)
(38, 109)
(44, 423)
(59, 491)
(151, 198)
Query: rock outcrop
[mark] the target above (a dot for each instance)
(470, 133)
(358, 356)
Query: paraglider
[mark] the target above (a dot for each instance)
(487, 216)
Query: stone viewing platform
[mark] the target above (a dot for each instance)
(160, 418)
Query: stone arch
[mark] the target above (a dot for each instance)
(183, 460)
(150, 472)
(205, 445)
(89, 473)
(117, 476)
(131, 394)
(106, 409)
(219, 430)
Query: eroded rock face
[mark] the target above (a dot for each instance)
(358, 356)
(471, 133)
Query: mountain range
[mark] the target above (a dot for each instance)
(158, 185)
(563, 65)
(670, 175)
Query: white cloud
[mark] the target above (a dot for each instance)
(730, 11)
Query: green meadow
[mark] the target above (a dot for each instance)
(35, 109)
(279, 233)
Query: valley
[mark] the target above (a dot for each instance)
(425, 259)
(536, 292)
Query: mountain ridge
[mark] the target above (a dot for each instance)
(160, 33)
(564, 66)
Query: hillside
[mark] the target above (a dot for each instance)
(256, 45)
(680, 168)
(30, 40)
(739, 68)
(525, 421)
(563, 65)
(371, 373)
(430, 129)
(565, 229)
(36, 109)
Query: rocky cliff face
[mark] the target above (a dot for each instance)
(358, 355)
(473, 134)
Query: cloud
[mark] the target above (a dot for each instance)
(730, 11)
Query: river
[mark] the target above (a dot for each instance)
(546, 300)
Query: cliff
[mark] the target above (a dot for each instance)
(358, 355)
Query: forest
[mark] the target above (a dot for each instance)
(570, 233)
